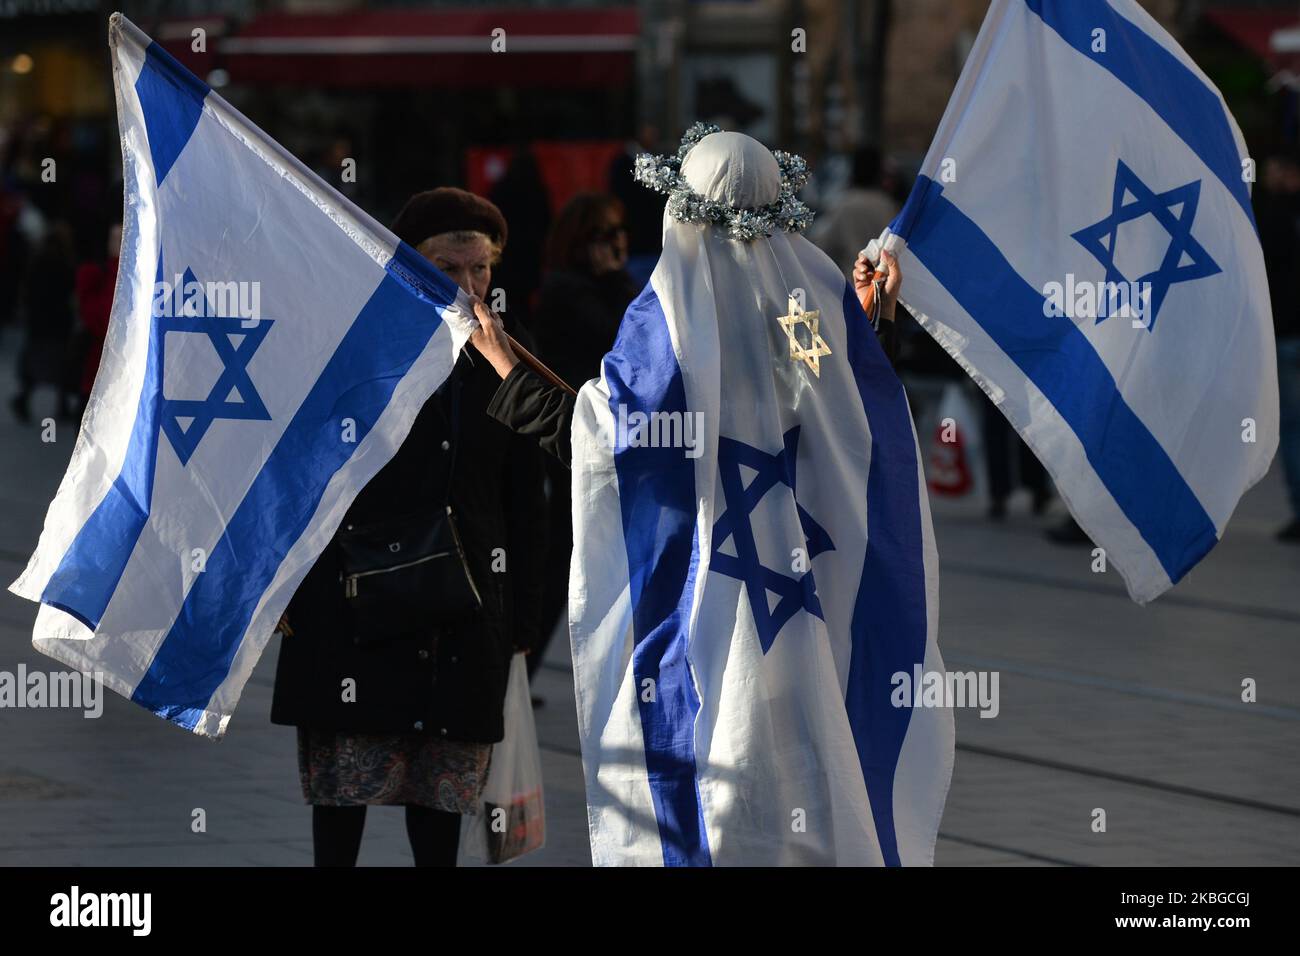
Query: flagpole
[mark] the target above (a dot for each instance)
(536, 364)
(869, 297)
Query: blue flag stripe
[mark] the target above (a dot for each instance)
(1183, 100)
(378, 350)
(890, 612)
(171, 98)
(1057, 357)
(87, 575)
(657, 492)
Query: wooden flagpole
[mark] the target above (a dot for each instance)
(536, 364)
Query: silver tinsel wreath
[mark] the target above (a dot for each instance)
(787, 214)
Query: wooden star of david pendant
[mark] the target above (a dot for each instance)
(811, 354)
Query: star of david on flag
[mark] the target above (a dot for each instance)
(233, 396)
(1175, 211)
(794, 593)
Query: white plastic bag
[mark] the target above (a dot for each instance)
(511, 819)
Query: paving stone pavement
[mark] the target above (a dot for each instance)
(1103, 705)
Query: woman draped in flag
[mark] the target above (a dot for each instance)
(753, 590)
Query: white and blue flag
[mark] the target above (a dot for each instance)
(754, 565)
(1081, 240)
(269, 347)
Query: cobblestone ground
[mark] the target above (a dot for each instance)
(1104, 704)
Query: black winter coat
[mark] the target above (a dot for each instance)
(449, 684)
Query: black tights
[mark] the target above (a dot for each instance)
(336, 834)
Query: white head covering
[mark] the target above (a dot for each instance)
(729, 181)
(732, 249)
(733, 169)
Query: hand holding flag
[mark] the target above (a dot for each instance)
(883, 284)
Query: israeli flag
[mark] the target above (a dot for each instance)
(754, 575)
(1081, 240)
(269, 347)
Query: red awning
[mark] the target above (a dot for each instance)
(435, 48)
(176, 36)
(1256, 29)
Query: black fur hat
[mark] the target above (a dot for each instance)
(448, 209)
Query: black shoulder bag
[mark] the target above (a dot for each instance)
(408, 574)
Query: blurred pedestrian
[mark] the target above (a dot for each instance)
(46, 302)
(1001, 444)
(333, 167)
(13, 251)
(1277, 213)
(582, 301)
(95, 284)
(522, 197)
(428, 691)
(643, 208)
(587, 286)
(863, 209)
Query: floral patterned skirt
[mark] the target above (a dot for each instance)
(346, 769)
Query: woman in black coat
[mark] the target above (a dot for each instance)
(408, 716)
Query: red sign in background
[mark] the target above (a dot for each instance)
(566, 168)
